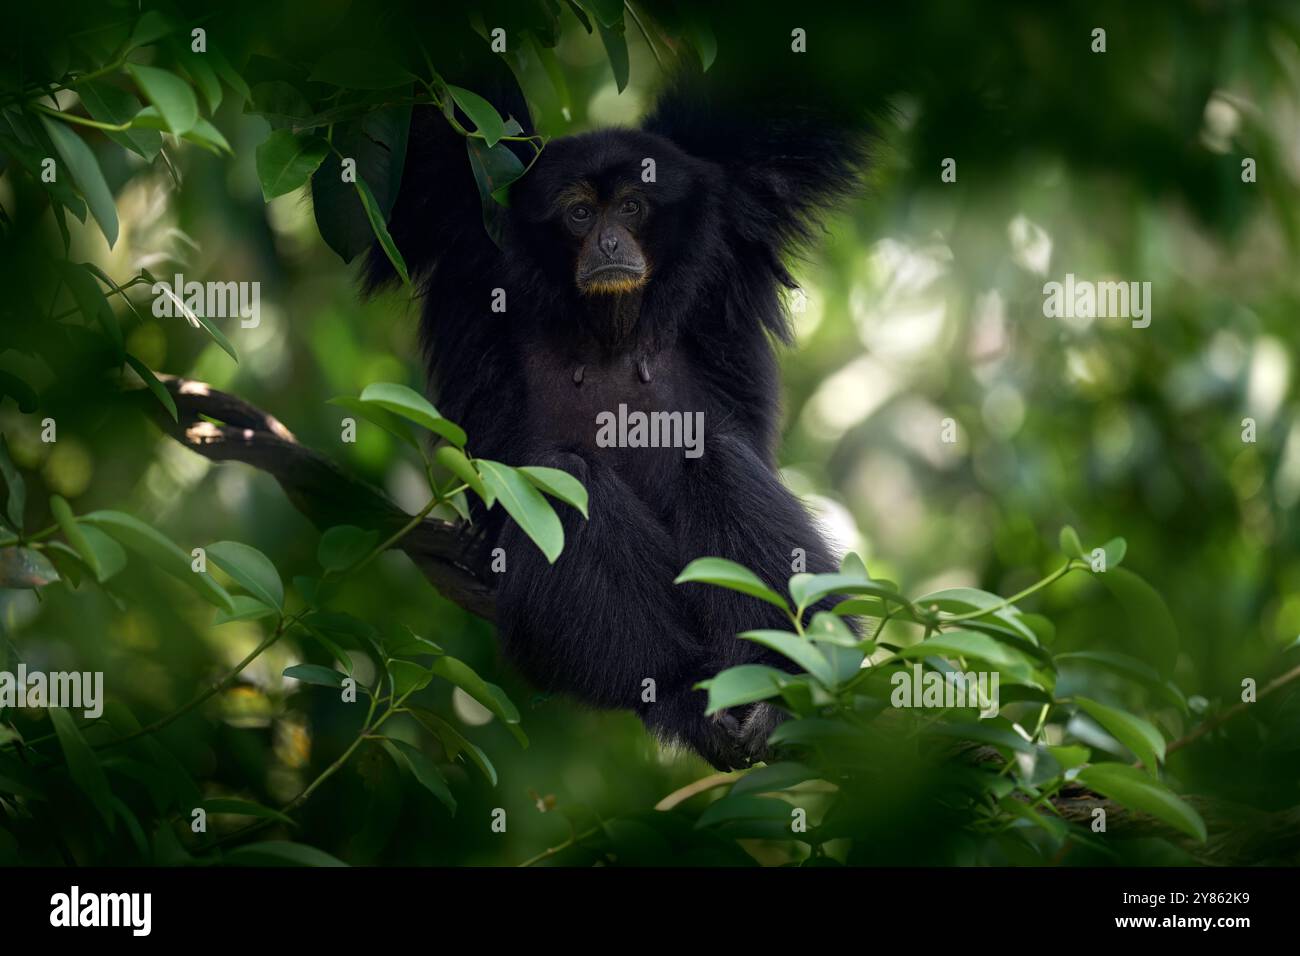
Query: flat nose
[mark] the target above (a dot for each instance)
(609, 244)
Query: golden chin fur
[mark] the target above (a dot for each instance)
(614, 284)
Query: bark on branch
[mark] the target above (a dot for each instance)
(222, 427)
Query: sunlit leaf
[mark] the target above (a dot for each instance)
(251, 570)
(728, 574)
(525, 504)
(559, 484)
(409, 404)
(1138, 791)
(170, 95)
(1138, 735)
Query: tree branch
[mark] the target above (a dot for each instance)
(319, 488)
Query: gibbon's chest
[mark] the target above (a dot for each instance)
(634, 408)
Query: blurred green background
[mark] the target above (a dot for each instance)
(924, 302)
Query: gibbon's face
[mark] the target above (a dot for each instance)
(606, 228)
(609, 211)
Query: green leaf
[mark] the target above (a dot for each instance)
(852, 565)
(455, 742)
(1136, 734)
(85, 172)
(797, 649)
(109, 554)
(808, 589)
(965, 600)
(209, 137)
(1155, 636)
(468, 680)
(76, 536)
(1115, 550)
(454, 460)
(459, 504)
(91, 300)
(994, 731)
(608, 12)
(378, 416)
(22, 393)
(773, 777)
(151, 27)
(481, 113)
(334, 650)
(422, 768)
(27, 142)
(155, 547)
(251, 570)
(525, 504)
(280, 853)
(25, 568)
(404, 642)
(315, 674)
(974, 644)
(815, 732)
(229, 74)
(16, 502)
(559, 484)
(343, 546)
(408, 677)
(112, 104)
(1131, 668)
(1138, 791)
(495, 169)
(151, 380)
(1070, 756)
(743, 684)
(616, 50)
(700, 36)
(286, 160)
(377, 142)
(196, 320)
(1070, 544)
(245, 808)
(170, 95)
(829, 628)
(414, 407)
(281, 104)
(380, 227)
(730, 575)
(247, 608)
(744, 808)
(83, 764)
(842, 648)
(201, 74)
(581, 14)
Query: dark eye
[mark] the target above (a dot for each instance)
(579, 213)
(630, 207)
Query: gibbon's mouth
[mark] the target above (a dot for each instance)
(614, 277)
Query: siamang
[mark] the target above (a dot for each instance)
(659, 292)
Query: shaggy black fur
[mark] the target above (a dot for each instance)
(738, 184)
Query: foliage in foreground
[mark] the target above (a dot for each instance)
(857, 742)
